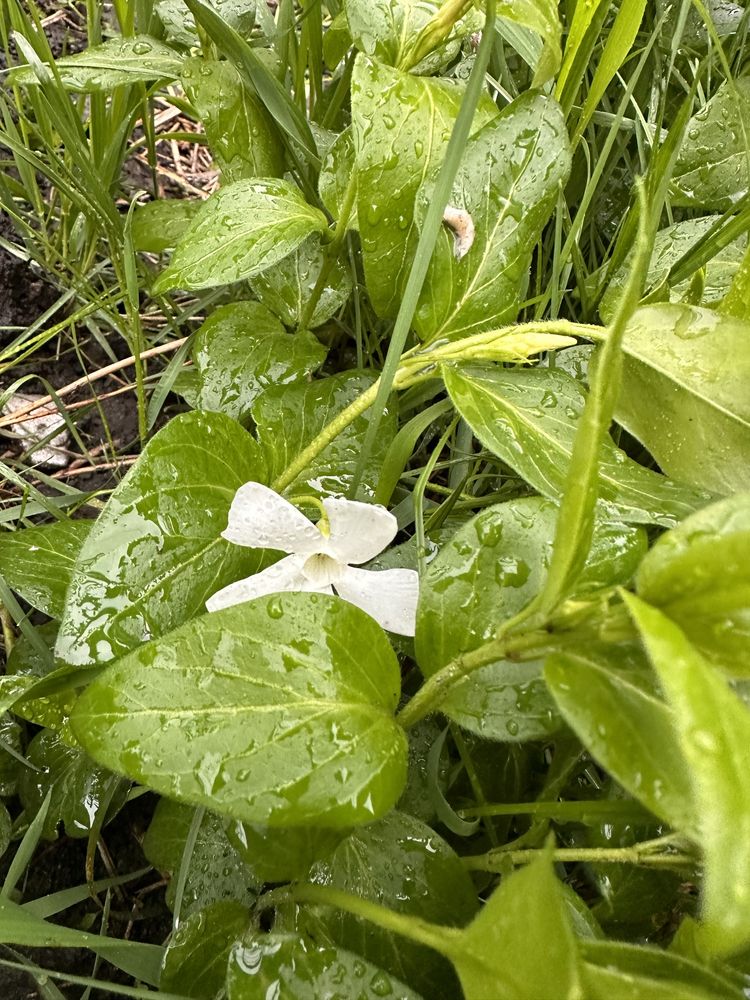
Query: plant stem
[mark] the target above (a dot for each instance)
(647, 854)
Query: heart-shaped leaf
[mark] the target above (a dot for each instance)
(278, 711)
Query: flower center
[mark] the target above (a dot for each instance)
(321, 569)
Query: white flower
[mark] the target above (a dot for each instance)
(318, 560)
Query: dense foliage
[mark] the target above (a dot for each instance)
(485, 266)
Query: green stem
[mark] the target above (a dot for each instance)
(646, 854)
(422, 931)
(331, 251)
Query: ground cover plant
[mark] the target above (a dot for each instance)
(375, 588)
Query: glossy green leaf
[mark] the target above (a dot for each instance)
(627, 728)
(6, 829)
(10, 765)
(492, 567)
(541, 16)
(684, 394)
(712, 166)
(521, 944)
(240, 231)
(283, 854)
(160, 225)
(614, 970)
(239, 351)
(216, 871)
(156, 554)
(529, 418)
(38, 562)
(277, 711)
(697, 574)
(114, 63)
(240, 132)
(180, 25)
(289, 417)
(403, 864)
(195, 962)
(669, 245)
(79, 787)
(401, 125)
(285, 965)
(507, 183)
(387, 29)
(713, 727)
(335, 174)
(25, 663)
(286, 288)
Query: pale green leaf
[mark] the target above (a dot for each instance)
(38, 562)
(277, 711)
(195, 962)
(542, 17)
(240, 231)
(160, 225)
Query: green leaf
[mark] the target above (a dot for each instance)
(80, 789)
(541, 17)
(239, 351)
(240, 132)
(712, 166)
(274, 719)
(697, 574)
(25, 663)
(403, 864)
(180, 25)
(114, 63)
(282, 854)
(156, 554)
(240, 231)
(492, 567)
(713, 727)
(10, 765)
(614, 970)
(335, 174)
(684, 394)
(286, 288)
(401, 125)
(6, 829)
(387, 29)
(195, 962)
(508, 183)
(627, 728)
(669, 246)
(216, 872)
(38, 562)
(521, 944)
(286, 965)
(160, 225)
(289, 417)
(529, 418)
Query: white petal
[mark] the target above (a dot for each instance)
(389, 596)
(261, 519)
(359, 531)
(284, 575)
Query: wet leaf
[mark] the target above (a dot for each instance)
(180, 26)
(286, 288)
(403, 864)
(541, 17)
(713, 728)
(337, 170)
(684, 394)
(387, 29)
(114, 63)
(521, 944)
(25, 663)
(6, 829)
(216, 873)
(286, 965)
(508, 183)
(697, 574)
(289, 417)
(10, 765)
(160, 225)
(401, 126)
(239, 351)
(669, 245)
(80, 788)
(261, 712)
(38, 562)
(529, 418)
(195, 962)
(627, 728)
(240, 231)
(283, 854)
(712, 166)
(156, 554)
(241, 134)
(489, 571)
